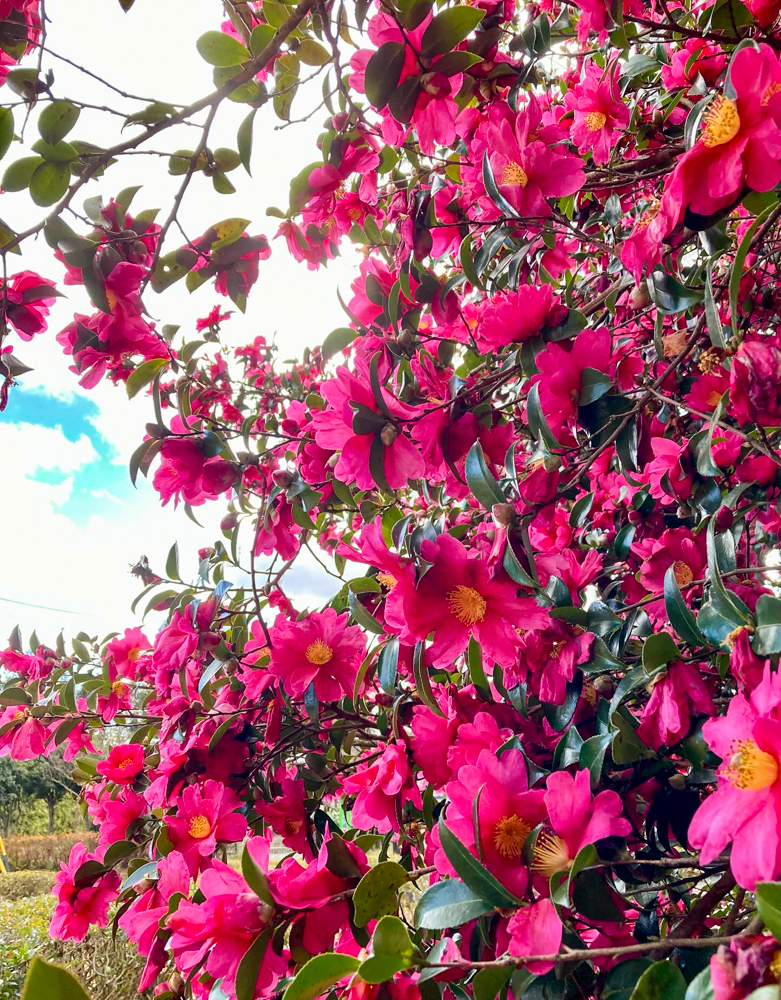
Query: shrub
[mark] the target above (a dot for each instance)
(18, 885)
(26, 853)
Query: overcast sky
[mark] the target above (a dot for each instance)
(72, 523)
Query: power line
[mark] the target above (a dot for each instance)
(45, 607)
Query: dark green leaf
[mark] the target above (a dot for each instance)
(662, 981)
(479, 479)
(449, 903)
(376, 893)
(448, 28)
(51, 982)
(469, 869)
(383, 71)
(319, 974)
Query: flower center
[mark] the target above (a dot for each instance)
(509, 836)
(292, 825)
(734, 635)
(119, 689)
(127, 762)
(133, 654)
(318, 652)
(513, 173)
(550, 855)
(649, 215)
(682, 572)
(466, 604)
(771, 91)
(354, 213)
(387, 580)
(594, 121)
(199, 827)
(709, 360)
(722, 122)
(750, 768)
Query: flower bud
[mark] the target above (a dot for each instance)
(551, 463)
(503, 514)
(282, 478)
(639, 298)
(229, 522)
(176, 984)
(388, 435)
(634, 517)
(677, 781)
(723, 519)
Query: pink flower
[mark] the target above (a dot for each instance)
(433, 734)
(676, 547)
(669, 481)
(223, 927)
(456, 600)
(186, 474)
(507, 812)
(512, 317)
(483, 733)
(114, 814)
(576, 820)
(322, 649)
(667, 713)
(126, 650)
(740, 145)
(123, 764)
(29, 299)
(378, 785)
(561, 374)
(600, 115)
(746, 806)
(535, 930)
(755, 383)
(709, 63)
(81, 902)
(354, 425)
(287, 815)
(205, 817)
(298, 887)
(23, 736)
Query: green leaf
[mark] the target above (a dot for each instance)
(768, 897)
(489, 982)
(60, 152)
(387, 666)
(393, 951)
(219, 49)
(492, 188)
(6, 130)
(662, 981)
(56, 120)
(383, 71)
(479, 479)
(669, 295)
(423, 681)
(319, 974)
(337, 340)
(49, 183)
(143, 375)
(659, 649)
(255, 877)
(172, 563)
(449, 903)
(592, 757)
(715, 329)
(737, 264)
(249, 966)
(18, 174)
(701, 987)
(681, 618)
(364, 618)
(767, 636)
(538, 425)
(52, 982)
(448, 28)
(244, 140)
(457, 62)
(261, 36)
(469, 869)
(514, 569)
(594, 385)
(375, 895)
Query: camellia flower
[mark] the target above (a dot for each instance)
(123, 764)
(683, 68)
(535, 930)
(600, 114)
(676, 547)
(377, 785)
(576, 820)
(507, 812)
(79, 908)
(297, 886)
(667, 713)
(322, 649)
(127, 649)
(205, 816)
(29, 298)
(561, 374)
(287, 816)
(512, 317)
(744, 810)
(755, 383)
(740, 144)
(455, 600)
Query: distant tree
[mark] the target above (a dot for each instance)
(20, 781)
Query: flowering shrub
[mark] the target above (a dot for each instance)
(541, 460)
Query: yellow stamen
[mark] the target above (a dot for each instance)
(127, 762)
(466, 604)
(119, 688)
(387, 580)
(732, 638)
(292, 825)
(513, 173)
(721, 121)
(682, 572)
(550, 855)
(771, 91)
(775, 965)
(133, 655)
(199, 827)
(594, 121)
(750, 768)
(509, 836)
(318, 652)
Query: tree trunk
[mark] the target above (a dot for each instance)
(51, 804)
